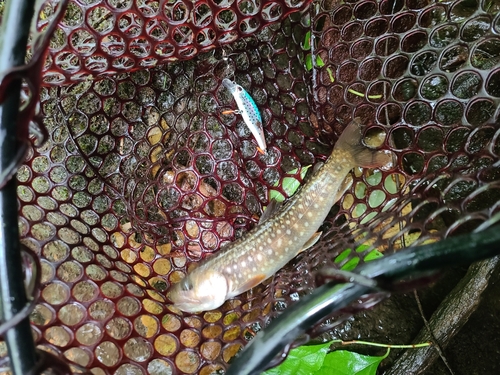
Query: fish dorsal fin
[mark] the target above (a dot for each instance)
(271, 208)
(254, 281)
(311, 241)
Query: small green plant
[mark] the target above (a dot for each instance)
(320, 360)
(320, 63)
(308, 57)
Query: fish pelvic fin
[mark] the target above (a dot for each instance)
(346, 184)
(311, 241)
(350, 141)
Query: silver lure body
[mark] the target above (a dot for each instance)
(248, 110)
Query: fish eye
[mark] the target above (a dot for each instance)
(186, 284)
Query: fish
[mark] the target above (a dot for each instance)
(284, 230)
(248, 110)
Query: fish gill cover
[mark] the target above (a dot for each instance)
(143, 175)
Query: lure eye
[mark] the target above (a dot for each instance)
(186, 284)
(240, 89)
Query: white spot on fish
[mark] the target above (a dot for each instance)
(243, 264)
(288, 231)
(309, 214)
(278, 231)
(280, 242)
(254, 269)
(306, 224)
(269, 241)
(270, 251)
(290, 242)
(235, 266)
(259, 257)
(316, 205)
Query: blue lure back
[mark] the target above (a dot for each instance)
(248, 110)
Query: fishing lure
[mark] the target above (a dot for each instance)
(248, 110)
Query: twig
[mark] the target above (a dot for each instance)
(448, 319)
(431, 334)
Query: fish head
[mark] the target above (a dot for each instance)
(199, 291)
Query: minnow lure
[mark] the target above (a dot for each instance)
(282, 233)
(248, 110)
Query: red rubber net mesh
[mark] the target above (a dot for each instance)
(143, 175)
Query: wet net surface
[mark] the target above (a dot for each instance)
(143, 175)
(97, 37)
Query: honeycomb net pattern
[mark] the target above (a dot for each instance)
(143, 175)
(100, 37)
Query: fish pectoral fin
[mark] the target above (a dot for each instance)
(271, 208)
(311, 241)
(254, 281)
(318, 166)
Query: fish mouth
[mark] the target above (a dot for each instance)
(190, 305)
(183, 299)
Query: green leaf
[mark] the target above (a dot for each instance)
(307, 41)
(372, 255)
(289, 185)
(362, 248)
(304, 360)
(276, 195)
(344, 254)
(351, 264)
(354, 261)
(309, 62)
(375, 178)
(368, 217)
(342, 362)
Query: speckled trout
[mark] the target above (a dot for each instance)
(282, 233)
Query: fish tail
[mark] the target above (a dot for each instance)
(350, 141)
